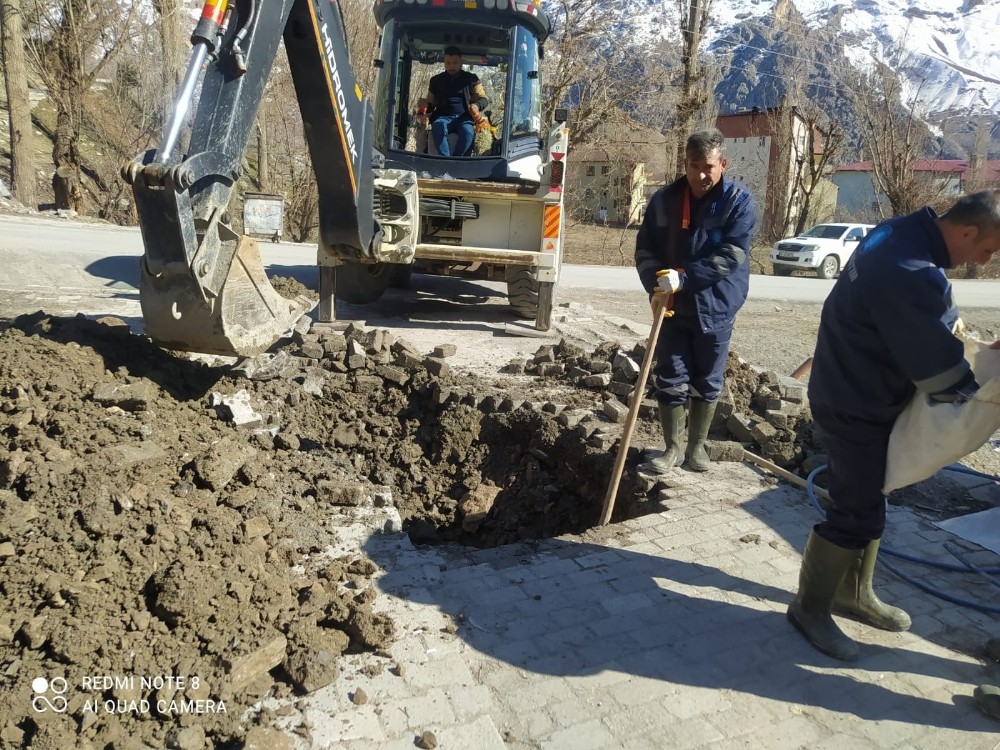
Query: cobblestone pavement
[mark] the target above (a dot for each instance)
(666, 631)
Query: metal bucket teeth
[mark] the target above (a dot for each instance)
(245, 319)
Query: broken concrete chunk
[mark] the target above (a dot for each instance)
(601, 380)
(394, 375)
(615, 410)
(236, 409)
(245, 669)
(741, 427)
(441, 351)
(269, 366)
(354, 330)
(219, 464)
(437, 367)
(724, 450)
(626, 366)
(544, 354)
(762, 432)
(313, 350)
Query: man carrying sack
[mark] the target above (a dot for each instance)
(885, 335)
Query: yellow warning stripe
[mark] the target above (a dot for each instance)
(551, 221)
(333, 101)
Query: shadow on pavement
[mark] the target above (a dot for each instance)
(570, 609)
(116, 268)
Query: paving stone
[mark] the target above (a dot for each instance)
(667, 631)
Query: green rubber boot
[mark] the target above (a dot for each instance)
(987, 700)
(672, 419)
(857, 598)
(823, 567)
(701, 420)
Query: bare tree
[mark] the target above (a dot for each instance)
(173, 25)
(70, 46)
(22, 158)
(694, 88)
(594, 64)
(894, 136)
(824, 140)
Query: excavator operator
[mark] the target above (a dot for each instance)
(454, 103)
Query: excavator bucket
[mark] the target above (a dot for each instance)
(245, 318)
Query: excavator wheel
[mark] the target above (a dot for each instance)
(522, 291)
(364, 283)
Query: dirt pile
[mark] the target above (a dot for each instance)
(759, 410)
(173, 533)
(166, 524)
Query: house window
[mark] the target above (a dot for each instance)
(623, 181)
(590, 171)
(605, 169)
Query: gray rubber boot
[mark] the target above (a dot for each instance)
(698, 425)
(857, 598)
(823, 568)
(987, 700)
(672, 420)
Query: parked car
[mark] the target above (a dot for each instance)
(824, 249)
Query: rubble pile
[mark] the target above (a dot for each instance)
(181, 531)
(759, 410)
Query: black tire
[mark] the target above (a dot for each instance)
(363, 283)
(829, 268)
(522, 291)
(399, 275)
(783, 271)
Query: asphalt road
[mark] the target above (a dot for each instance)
(57, 258)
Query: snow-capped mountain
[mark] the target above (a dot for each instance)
(948, 53)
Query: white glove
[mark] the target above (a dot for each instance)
(669, 282)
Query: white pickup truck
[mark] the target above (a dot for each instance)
(824, 249)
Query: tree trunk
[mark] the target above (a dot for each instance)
(692, 96)
(172, 48)
(66, 180)
(22, 158)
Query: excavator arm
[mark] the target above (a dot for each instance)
(203, 285)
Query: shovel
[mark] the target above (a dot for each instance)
(662, 304)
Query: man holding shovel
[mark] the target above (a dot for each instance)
(694, 244)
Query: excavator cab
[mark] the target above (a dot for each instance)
(501, 43)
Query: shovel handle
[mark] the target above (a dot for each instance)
(661, 309)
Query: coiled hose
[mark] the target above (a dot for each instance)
(965, 567)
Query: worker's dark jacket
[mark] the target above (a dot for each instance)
(886, 327)
(453, 94)
(714, 251)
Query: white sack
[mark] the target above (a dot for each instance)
(928, 435)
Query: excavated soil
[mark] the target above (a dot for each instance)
(169, 526)
(165, 523)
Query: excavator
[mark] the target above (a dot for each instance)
(389, 203)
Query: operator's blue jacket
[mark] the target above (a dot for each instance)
(886, 327)
(714, 252)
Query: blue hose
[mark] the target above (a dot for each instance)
(966, 567)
